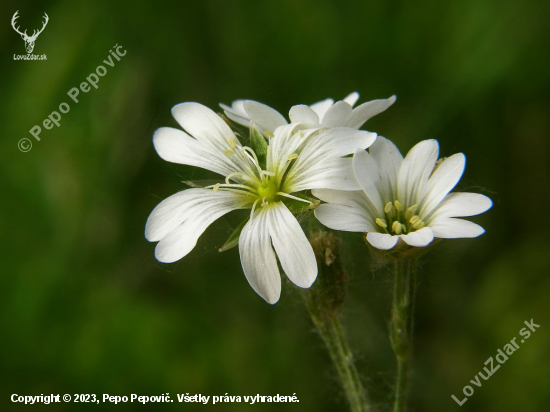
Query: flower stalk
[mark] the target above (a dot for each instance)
(324, 300)
(402, 324)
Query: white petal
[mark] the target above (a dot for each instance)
(416, 170)
(382, 241)
(345, 218)
(258, 259)
(364, 112)
(203, 124)
(291, 245)
(343, 141)
(462, 204)
(330, 174)
(284, 143)
(198, 211)
(451, 228)
(319, 164)
(321, 107)
(388, 159)
(267, 118)
(354, 199)
(303, 114)
(420, 238)
(366, 173)
(236, 112)
(176, 146)
(346, 198)
(351, 98)
(337, 115)
(442, 181)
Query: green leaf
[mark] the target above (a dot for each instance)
(233, 239)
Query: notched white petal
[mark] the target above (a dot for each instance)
(382, 241)
(267, 118)
(258, 259)
(451, 228)
(201, 123)
(344, 218)
(337, 115)
(303, 114)
(419, 238)
(365, 111)
(291, 245)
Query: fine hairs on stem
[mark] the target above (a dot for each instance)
(402, 324)
(323, 302)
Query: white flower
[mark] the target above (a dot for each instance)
(295, 160)
(325, 113)
(405, 199)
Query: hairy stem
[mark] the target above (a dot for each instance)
(402, 323)
(323, 301)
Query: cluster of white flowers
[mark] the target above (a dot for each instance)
(282, 164)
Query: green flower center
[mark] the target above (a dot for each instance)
(398, 220)
(267, 191)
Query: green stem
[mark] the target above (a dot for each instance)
(324, 300)
(330, 329)
(402, 323)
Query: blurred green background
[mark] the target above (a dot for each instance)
(86, 308)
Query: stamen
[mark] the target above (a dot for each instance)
(388, 208)
(292, 157)
(398, 205)
(268, 134)
(253, 208)
(411, 211)
(397, 227)
(231, 142)
(232, 186)
(381, 222)
(216, 187)
(264, 202)
(419, 225)
(414, 219)
(403, 228)
(293, 197)
(228, 152)
(248, 151)
(230, 175)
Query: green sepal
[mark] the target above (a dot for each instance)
(259, 145)
(233, 239)
(297, 207)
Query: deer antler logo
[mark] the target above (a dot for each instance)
(29, 40)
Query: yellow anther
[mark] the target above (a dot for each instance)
(231, 142)
(264, 202)
(398, 205)
(403, 228)
(414, 219)
(228, 152)
(292, 156)
(216, 187)
(411, 211)
(419, 225)
(396, 227)
(268, 134)
(381, 222)
(388, 208)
